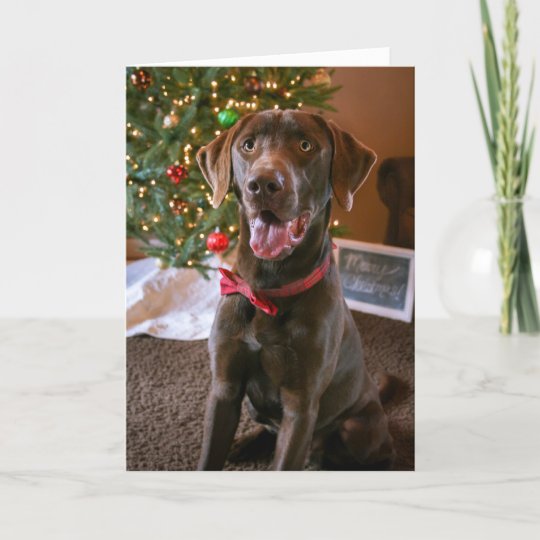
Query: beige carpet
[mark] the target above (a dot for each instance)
(167, 385)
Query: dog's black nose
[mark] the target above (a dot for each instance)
(264, 185)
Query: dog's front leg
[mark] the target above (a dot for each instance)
(220, 423)
(228, 361)
(295, 433)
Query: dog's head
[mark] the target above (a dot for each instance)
(284, 165)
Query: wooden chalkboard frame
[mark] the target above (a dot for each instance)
(404, 314)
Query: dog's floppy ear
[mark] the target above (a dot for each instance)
(215, 162)
(351, 164)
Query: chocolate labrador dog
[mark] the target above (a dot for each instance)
(283, 335)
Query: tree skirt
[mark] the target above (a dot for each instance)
(176, 303)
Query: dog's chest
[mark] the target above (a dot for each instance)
(249, 337)
(264, 332)
(268, 370)
(273, 360)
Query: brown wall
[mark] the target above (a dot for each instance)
(376, 105)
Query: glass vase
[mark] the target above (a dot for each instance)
(490, 264)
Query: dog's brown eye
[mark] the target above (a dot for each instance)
(249, 145)
(306, 146)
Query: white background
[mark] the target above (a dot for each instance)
(62, 129)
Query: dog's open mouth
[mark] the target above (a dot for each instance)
(270, 237)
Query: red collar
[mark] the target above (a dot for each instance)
(232, 283)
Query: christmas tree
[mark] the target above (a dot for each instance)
(171, 113)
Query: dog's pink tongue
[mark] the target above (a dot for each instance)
(269, 236)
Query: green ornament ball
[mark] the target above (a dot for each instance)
(227, 118)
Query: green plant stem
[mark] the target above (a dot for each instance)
(519, 293)
(506, 169)
(526, 303)
(508, 257)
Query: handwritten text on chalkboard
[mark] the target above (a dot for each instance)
(376, 279)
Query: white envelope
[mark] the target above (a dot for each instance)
(346, 58)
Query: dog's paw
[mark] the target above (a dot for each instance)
(387, 385)
(257, 444)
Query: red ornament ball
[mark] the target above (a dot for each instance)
(217, 242)
(283, 91)
(177, 173)
(141, 79)
(177, 206)
(253, 85)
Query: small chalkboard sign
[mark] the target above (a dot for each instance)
(377, 279)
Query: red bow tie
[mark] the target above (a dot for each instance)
(232, 283)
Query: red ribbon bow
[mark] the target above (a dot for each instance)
(232, 283)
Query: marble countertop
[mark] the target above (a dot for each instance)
(62, 395)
